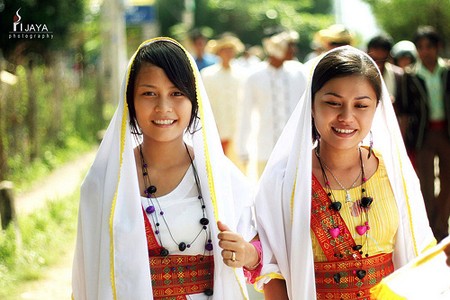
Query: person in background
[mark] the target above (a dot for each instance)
(222, 83)
(379, 49)
(151, 203)
(404, 53)
(248, 58)
(426, 106)
(339, 206)
(316, 46)
(335, 35)
(198, 42)
(271, 92)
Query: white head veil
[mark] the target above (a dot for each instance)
(283, 201)
(111, 258)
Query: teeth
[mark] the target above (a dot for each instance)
(163, 122)
(344, 130)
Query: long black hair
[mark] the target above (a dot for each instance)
(170, 57)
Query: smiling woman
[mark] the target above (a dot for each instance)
(151, 203)
(333, 208)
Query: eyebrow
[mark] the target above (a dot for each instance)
(339, 96)
(146, 85)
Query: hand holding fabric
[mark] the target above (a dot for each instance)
(236, 252)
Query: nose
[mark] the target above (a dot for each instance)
(346, 114)
(163, 105)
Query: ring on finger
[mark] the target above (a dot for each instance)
(233, 256)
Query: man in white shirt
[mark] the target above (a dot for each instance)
(222, 81)
(269, 95)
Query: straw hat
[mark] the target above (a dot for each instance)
(336, 34)
(277, 44)
(227, 41)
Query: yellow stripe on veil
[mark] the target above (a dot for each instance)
(114, 201)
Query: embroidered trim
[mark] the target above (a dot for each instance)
(350, 286)
(322, 219)
(175, 276)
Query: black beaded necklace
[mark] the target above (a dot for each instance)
(364, 203)
(153, 205)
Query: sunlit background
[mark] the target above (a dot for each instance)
(62, 64)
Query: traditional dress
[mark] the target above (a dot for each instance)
(284, 203)
(114, 246)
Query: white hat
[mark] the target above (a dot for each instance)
(277, 44)
(404, 48)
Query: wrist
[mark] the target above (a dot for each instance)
(254, 248)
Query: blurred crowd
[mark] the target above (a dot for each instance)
(254, 88)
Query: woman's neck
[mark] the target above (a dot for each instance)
(340, 159)
(165, 155)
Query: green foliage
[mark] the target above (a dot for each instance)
(406, 15)
(58, 16)
(68, 121)
(252, 20)
(44, 239)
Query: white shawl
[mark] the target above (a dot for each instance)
(111, 256)
(283, 199)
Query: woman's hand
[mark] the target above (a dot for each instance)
(236, 251)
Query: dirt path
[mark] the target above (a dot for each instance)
(56, 280)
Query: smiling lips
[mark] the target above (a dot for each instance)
(344, 131)
(163, 122)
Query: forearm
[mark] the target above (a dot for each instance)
(252, 254)
(275, 289)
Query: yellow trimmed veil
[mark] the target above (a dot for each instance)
(111, 258)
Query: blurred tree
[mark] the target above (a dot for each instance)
(251, 20)
(406, 15)
(58, 17)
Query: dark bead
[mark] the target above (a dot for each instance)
(182, 246)
(209, 247)
(367, 254)
(204, 221)
(164, 252)
(357, 247)
(208, 292)
(199, 197)
(337, 277)
(366, 201)
(363, 190)
(157, 224)
(329, 194)
(150, 209)
(151, 189)
(161, 213)
(145, 173)
(203, 206)
(360, 274)
(336, 205)
(205, 227)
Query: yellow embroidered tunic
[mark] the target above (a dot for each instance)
(383, 216)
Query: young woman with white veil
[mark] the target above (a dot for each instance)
(151, 203)
(339, 205)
